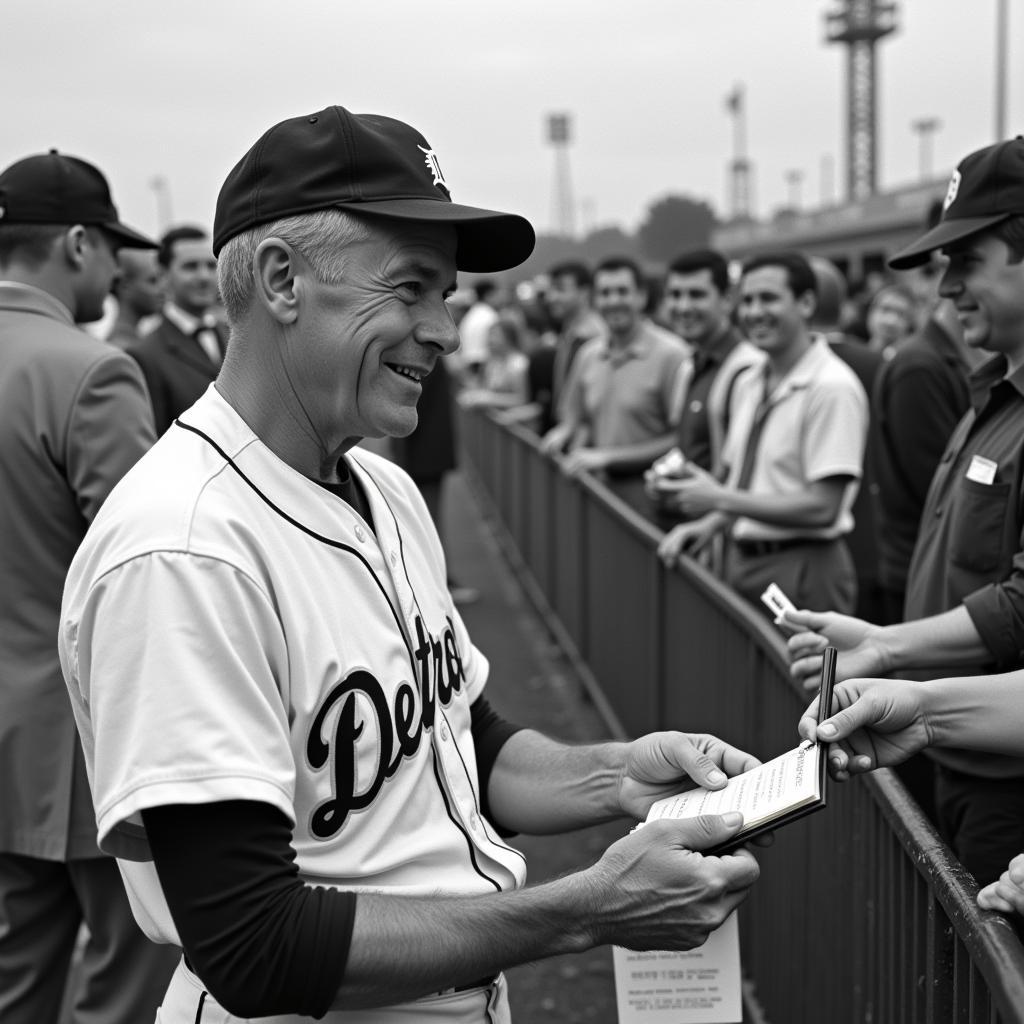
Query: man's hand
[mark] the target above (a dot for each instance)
(662, 473)
(861, 653)
(1006, 895)
(662, 763)
(585, 460)
(657, 486)
(695, 494)
(555, 440)
(653, 891)
(689, 538)
(881, 723)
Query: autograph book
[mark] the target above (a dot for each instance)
(792, 785)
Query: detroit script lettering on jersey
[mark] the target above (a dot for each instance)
(399, 729)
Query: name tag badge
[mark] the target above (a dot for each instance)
(981, 470)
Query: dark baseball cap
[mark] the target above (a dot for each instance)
(52, 188)
(987, 187)
(365, 163)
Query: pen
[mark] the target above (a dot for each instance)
(828, 682)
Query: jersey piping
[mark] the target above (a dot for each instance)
(398, 621)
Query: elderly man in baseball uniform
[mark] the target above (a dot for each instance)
(284, 719)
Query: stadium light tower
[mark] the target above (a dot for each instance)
(925, 127)
(1002, 43)
(739, 166)
(563, 219)
(858, 25)
(794, 181)
(162, 190)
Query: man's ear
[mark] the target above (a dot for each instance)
(808, 305)
(73, 244)
(275, 264)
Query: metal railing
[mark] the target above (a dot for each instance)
(861, 914)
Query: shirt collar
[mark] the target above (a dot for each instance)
(803, 374)
(26, 298)
(185, 321)
(637, 347)
(717, 350)
(989, 375)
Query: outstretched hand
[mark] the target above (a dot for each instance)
(663, 763)
(881, 723)
(860, 651)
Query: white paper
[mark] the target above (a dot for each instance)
(982, 470)
(762, 794)
(700, 986)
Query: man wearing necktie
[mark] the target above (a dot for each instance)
(182, 355)
(793, 454)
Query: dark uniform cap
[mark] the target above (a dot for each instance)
(986, 188)
(335, 159)
(55, 189)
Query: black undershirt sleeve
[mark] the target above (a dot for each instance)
(490, 733)
(261, 940)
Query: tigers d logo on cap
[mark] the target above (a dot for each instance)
(954, 187)
(986, 188)
(430, 159)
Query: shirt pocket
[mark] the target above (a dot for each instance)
(976, 536)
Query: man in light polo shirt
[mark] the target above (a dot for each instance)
(615, 417)
(793, 454)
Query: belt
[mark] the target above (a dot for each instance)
(479, 983)
(769, 547)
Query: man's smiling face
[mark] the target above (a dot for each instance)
(362, 347)
(985, 282)
(620, 299)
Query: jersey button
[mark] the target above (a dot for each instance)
(360, 534)
(474, 823)
(444, 733)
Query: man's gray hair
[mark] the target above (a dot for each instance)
(321, 236)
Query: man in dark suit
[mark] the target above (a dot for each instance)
(182, 355)
(74, 418)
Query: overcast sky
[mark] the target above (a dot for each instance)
(181, 89)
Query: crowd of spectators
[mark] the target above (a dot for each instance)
(642, 393)
(864, 455)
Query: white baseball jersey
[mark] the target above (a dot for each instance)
(233, 631)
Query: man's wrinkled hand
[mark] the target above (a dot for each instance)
(662, 763)
(653, 889)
